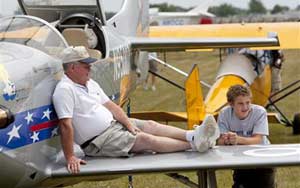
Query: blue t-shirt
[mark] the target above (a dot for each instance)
(255, 123)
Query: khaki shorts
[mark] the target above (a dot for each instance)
(115, 141)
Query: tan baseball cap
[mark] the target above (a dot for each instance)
(76, 54)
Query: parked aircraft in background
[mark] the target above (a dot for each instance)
(30, 150)
(197, 15)
(235, 69)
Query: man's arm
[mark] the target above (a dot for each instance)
(120, 116)
(66, 130)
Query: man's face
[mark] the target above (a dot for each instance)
(241, 106)
(81, 73)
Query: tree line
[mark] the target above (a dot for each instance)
(225, 10)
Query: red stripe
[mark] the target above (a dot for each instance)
(44, 125)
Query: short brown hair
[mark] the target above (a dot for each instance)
(237, 90)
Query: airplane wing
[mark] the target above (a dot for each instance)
(221, 157)
(175, 44)
(288, 32)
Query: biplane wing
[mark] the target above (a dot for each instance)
(175, 44)
(288, 32)
(222, 157)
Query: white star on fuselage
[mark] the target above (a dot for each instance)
(47, 114)
(14, 133)
(54, 132)
(29, 117)
(35, 137)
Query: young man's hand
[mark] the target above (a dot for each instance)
(229, 138)
(232, 138)
(224, 139)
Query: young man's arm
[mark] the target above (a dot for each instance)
(66, 130)
(234, 139)
(255, 139)
(120, 116)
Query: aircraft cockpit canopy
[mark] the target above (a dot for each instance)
(32, 32)
(53, 10)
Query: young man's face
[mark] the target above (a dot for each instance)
(241, 106)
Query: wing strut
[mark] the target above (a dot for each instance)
(206, 178)
(176, 70)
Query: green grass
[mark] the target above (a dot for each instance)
(169, 98)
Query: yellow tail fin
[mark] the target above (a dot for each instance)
(194, 98)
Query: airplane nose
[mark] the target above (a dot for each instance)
(6, 117)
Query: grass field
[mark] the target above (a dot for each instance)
(169, 98)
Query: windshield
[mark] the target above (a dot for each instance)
(111, 8)
(59, 2)
(32, 32)
(53, 10)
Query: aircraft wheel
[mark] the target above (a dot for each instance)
(296, 124)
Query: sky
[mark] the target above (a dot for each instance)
(8, 6)
(269, 4)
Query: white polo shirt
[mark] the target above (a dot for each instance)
(84, 105)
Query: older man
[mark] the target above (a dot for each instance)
(101, 128)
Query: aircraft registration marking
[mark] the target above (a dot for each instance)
(273, 152)
(121, 58)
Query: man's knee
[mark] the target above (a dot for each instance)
(143, 142)
(144, 138)
(150, 125)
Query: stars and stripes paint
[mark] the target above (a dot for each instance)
(30, 126)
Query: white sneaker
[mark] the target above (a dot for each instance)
(206, 134)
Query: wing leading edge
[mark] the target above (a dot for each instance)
(178, 44)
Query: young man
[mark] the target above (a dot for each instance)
(101, 128)
(244, 123)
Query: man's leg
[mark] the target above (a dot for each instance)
(145, 141)
(204, 136)
(162, 130)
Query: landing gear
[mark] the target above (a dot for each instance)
(279, 95)
(296, 124)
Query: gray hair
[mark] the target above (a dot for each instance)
(66, 65)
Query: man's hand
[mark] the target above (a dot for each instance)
(74, 164)
(133, 129)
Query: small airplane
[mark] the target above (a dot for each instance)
(30, 150)
(197, 15)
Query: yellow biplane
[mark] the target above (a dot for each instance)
(235, 69)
